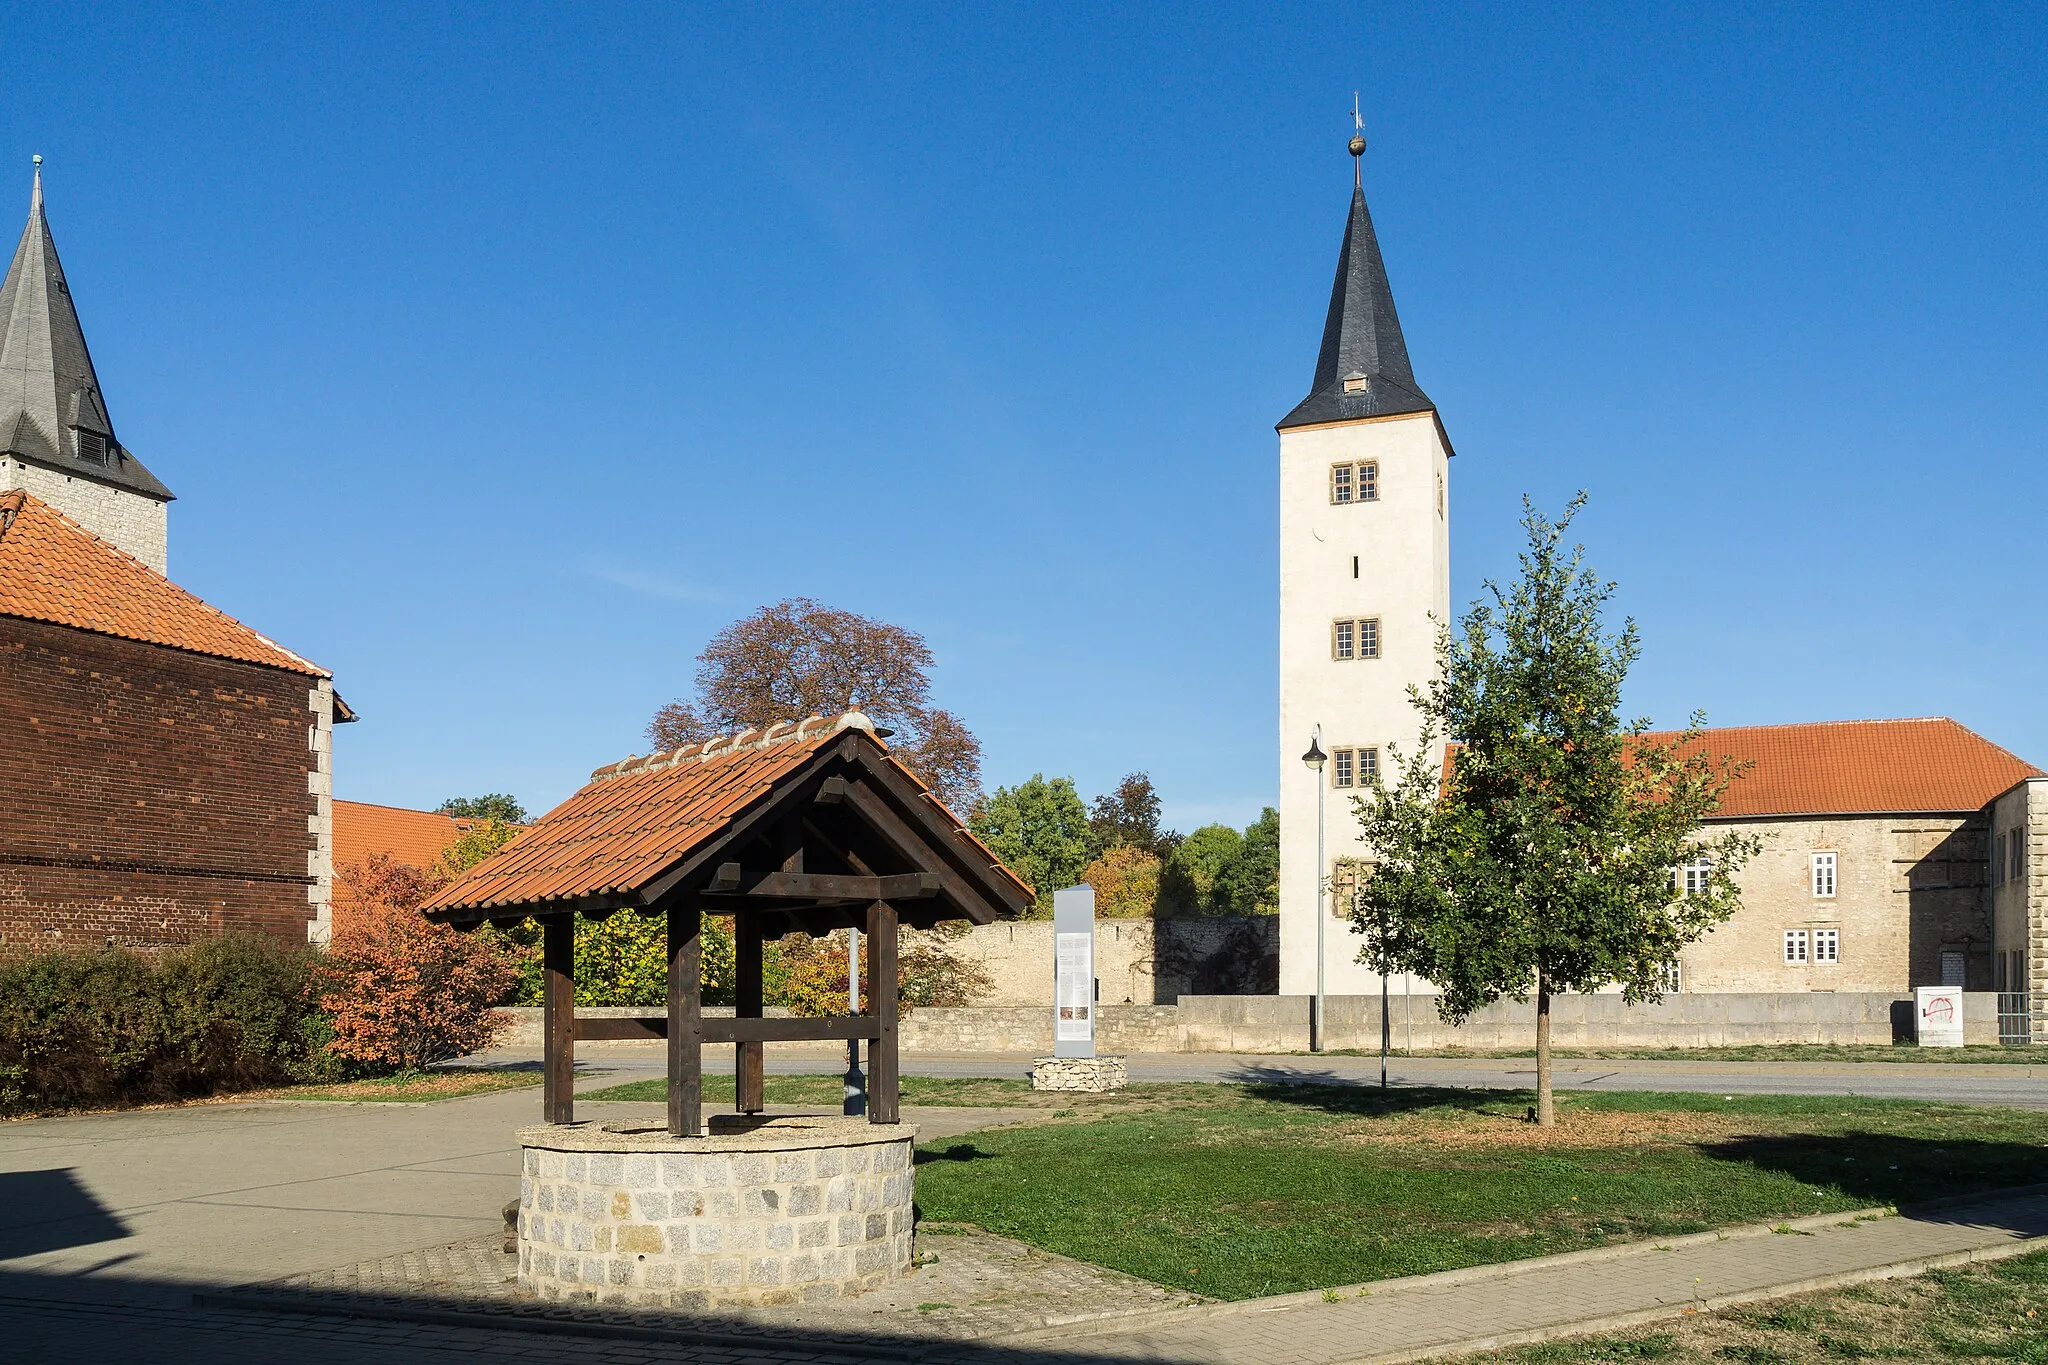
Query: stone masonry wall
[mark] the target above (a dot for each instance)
(711, 1227)
(130, 521)
(1138, 961)
(149, 796)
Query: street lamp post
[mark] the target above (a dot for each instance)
(1315, 758)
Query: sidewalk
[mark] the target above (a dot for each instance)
(1505, 1305)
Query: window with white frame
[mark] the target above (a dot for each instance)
(1823, 874)
(1673, 977)
(1699, 875)
(1356, 637)
(1827, 946)
(1795, 947)
(1355, 481)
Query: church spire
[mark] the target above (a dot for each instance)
(1363, 368)
(52, 413)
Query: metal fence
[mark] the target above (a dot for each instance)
(2015, 1018)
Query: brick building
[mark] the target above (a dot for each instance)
(164, 769)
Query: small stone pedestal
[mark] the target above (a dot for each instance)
(782, 1210)
(1087, 1075)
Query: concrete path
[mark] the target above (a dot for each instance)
(2021, 1086)
(1607, 1289)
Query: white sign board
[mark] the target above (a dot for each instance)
(1938, 1016)
(1073, 976)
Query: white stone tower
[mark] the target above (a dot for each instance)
(1364, 579)
(56, 439)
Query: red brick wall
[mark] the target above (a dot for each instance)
(147, 795)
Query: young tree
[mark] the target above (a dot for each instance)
(798, 658)
(1249, 884)
(491, 806)
(1039, 828)
(1542, 858)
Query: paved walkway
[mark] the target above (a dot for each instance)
(1411, 1319)
(2016, 1085)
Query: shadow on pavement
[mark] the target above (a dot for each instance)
(49, 1211)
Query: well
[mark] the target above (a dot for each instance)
(782, 1210)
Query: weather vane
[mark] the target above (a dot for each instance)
(1357, 143)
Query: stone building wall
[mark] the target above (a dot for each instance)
(150, 796)
(1907, 888)
(131, 521)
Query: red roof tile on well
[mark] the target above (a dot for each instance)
(638, 818)
(52, 569)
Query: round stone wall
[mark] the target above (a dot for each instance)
(786, 1211)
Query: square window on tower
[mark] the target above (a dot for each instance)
(1354, 481)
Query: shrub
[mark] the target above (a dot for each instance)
(1126, 882)
(399, 992)
(808, 975)
(622, 960)
(80, 1030)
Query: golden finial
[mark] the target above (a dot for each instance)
(1357, 143)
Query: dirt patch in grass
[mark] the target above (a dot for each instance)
(417, 1088)
(1575, 1128)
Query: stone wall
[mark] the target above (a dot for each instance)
(153, 796)
(1279, 1023)
(1137, 961)
(782, 1211)
(137, 524)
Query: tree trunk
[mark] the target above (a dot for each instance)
(1546, 1110)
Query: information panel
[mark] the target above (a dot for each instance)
(1941, 1016)
(1073, 927)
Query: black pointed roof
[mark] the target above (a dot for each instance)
(49, 393)
(1363, 369)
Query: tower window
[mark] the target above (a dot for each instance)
(1354, 382)
(92, 447)
(1355, 638)
(1354, 767)
(1354, 566)
(1355, 481)
(1439, 497)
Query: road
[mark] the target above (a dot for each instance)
(2015, 1086)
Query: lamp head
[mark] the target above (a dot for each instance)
(1315, 757)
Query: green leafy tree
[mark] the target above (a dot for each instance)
(1128, 817)
(1040, 829)
(1188, 879)
(492, 806)
(1249, 884)
(1545, 859)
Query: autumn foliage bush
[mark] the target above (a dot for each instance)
(808, 975)
(400, 993)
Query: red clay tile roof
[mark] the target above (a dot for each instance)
(414, 837)
(1856, 767)
(52, 569)
(639, 817)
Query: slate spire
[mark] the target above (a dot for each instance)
(1363, 368)
(51, 410)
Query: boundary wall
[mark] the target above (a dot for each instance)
(1279, 1024)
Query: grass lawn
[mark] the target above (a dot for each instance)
(1237, 1191)
(1786, 1052)
(1983, 1312)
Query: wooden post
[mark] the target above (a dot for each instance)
(558, 1064)
(883, 1085)
(748, 1058)
(685, 1022)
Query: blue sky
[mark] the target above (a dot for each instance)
(499, 354)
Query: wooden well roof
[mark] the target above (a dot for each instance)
(805, 823)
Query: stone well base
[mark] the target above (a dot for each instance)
(1092, 1075)
(762, 1212)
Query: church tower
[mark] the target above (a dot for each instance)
(56, 440)
(1364, 581)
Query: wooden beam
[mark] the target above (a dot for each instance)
(868, 805)
(830, 886)
(727, 878)
(743, 828)
(644, 1029)
(685, 1020)
(749, 1059)
(558, 999)
(831, 791)
(883, 1085)
(939, 834)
